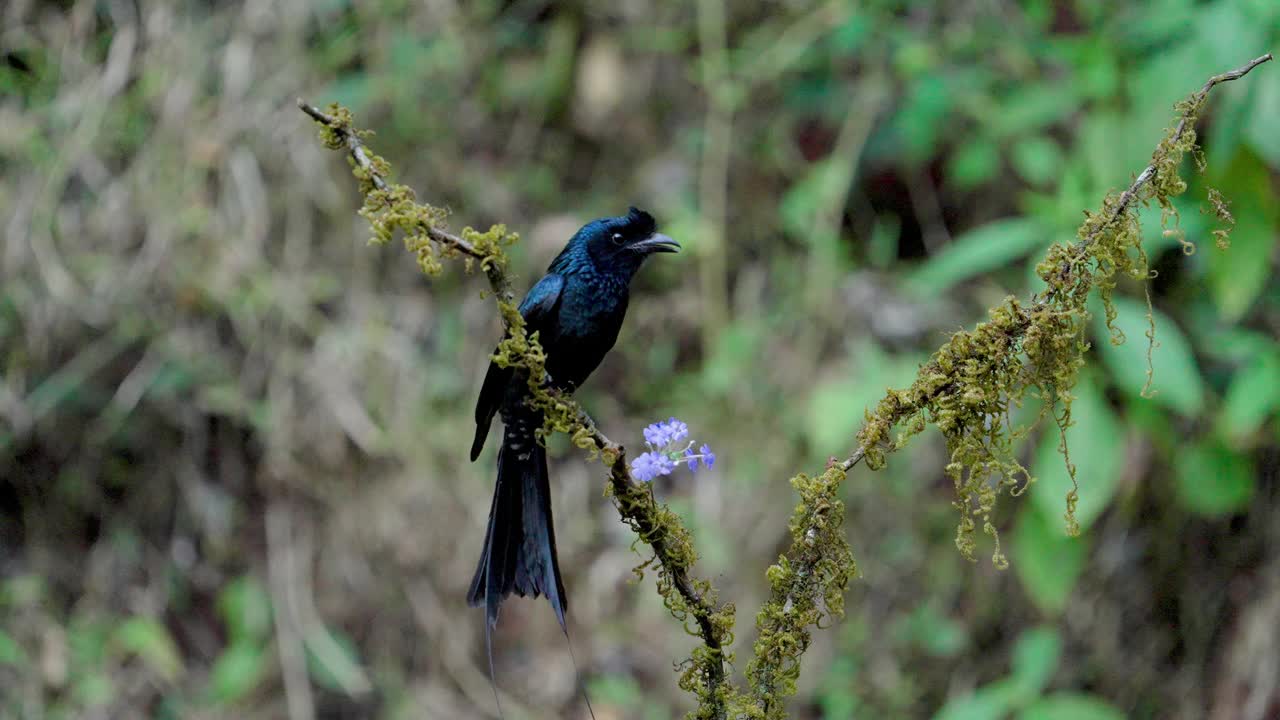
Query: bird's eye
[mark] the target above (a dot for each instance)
(617, 238)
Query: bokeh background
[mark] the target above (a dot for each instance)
(233, 437)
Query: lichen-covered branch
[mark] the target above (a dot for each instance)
(391, 207)
(967, 390)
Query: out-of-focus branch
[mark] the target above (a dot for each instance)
(673, 555)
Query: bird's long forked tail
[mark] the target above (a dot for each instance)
(520, 544)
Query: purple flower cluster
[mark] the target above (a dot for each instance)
(664, 440)
(662, 434)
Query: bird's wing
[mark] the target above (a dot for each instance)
(537, 308)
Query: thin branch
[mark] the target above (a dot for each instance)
(355, 147)
(1149, 173)
(801, 558)
(699, 606)
(640, 516)
(1126, 198)
(635, 500)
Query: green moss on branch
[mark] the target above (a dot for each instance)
(967, 390)
(392, 208)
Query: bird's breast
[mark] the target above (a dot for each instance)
(587, 327)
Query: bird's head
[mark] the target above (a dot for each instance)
(622, 243)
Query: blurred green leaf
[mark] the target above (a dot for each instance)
(245, 608)
(974, 163)
(1037, 159)
(1162, 22)
(926, 110)
(1213, 480)
(837, 407)
(982, 249)
(93, 688)
(1045, 559)
(1105, 152)
(882, 247)
(1098, 74)
(801, 202)
(1237, 276)
(838, 695)
(1230, 37)
(1071, 706)
(1176, 382)
(10, 651)
(1153, 87)
(1033, 107)
(151, 642)
(352, 90)
(850, 35)
(989, 702)
(22, 590)
(1096, 443)
(1252, 397)
(734, 356)
(237, 671)
(87, 637)
(1234, 344)
(1035, 658)
(1262, 122)
(624, 696)
(619, 690)
(333, 661)
(932, 631)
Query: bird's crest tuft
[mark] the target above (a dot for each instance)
(640, 221)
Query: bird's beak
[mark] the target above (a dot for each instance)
(656, 243)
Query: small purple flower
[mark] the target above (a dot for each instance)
(667, 450)
(691, 459)
(656, 434)
(663, 434)
(650, 465)
(676, 430)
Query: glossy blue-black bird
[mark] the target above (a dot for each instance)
(577, 310)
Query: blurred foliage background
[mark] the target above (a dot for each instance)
(233, 476)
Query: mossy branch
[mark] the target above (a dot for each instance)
(967, 390)
(392, 207)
